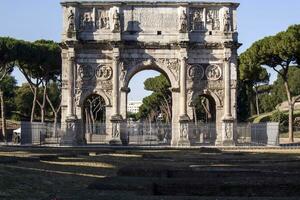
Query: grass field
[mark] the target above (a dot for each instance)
(68, 173)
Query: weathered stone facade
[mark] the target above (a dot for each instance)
(194, 44)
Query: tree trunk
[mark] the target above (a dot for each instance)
(3, 116)
(168, 107)
(43, 107)
(256, 101)
(291, 111)
(33, 104)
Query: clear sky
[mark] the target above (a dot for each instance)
(36, 19)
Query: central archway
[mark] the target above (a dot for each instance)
(156, 127)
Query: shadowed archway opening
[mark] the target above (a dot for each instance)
(94, 114)
(204, 119)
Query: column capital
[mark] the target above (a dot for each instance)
(71, 53)
(183, 53)
(227, 54)
(116, 53)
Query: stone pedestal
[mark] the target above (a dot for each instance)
(183, 140)
(228, 132)
(73, 134)
(88, 137)
(116, 122)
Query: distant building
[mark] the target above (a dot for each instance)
(133, 106)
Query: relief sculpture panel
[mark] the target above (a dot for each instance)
(197, 19)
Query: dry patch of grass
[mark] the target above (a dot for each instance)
(81, 164)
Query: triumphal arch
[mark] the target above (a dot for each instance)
(106, 42)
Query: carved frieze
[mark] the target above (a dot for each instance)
(78, 94)
(116, 22)
(172, 64)
(213, 72)
(213, 19)
(196, 72)
(184, 131)
(227, 21)
(86, 20)
(104, 85)
(71, 20)
(103, 72)
(183, 22)
(102, 19)
(116, 130)
(85, 72)
(197, 19)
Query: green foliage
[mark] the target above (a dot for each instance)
(267, 102)
(23, 100)
(159, 84)
(8, 86)
(39, 61)
(293, 81)
(279, 52)
(282, 118)
(132, 116)
(159, 101)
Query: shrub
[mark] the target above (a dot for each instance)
(282, 119)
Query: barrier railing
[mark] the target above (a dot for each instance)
(152, 134)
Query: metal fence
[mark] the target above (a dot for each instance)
(137, 133)
(152, 134)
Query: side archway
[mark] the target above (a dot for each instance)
(205, 106)
(94, 116)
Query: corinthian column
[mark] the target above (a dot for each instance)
(227, 87)
(183, 139)
(183, 86)
(116, 119)
(71, 58)
(228, 120)
(116, 109)
(73, 135)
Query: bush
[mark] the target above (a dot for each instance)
(282, 118)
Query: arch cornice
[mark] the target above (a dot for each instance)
(207, 92)
(159, 65)
(87, 92)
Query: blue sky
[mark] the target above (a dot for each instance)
(36, 19)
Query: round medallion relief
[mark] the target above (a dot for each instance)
(196, 72)
(213, 72)
(104, 72)
(85, 72)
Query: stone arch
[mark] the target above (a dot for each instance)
(207, 92)
(150, 65)
(86, 94)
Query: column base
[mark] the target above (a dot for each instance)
(116, 118)
(115, 142)
(227, 132)
(116, 121)
(184, 131)
(183, 143)
(228, 143)
(73, 136)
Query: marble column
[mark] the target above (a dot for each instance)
(116, 109)
(183, 92)
(71, 63)
(183, 117)
(73, 134)
(116, 118)
(227, 88)
(228, 120)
